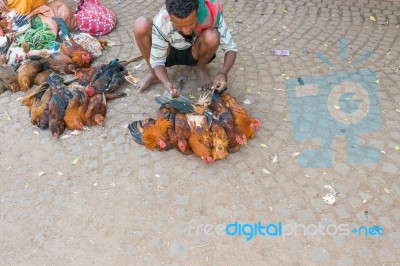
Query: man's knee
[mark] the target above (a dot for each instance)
(142, 26)
(211, 38)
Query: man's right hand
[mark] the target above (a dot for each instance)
(161, 73)
(172, 89)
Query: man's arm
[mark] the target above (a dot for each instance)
(158, 56)
(230, 49)
(221, 80)
(161, 73)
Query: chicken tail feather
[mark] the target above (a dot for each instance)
(136, 129)
(63, 33)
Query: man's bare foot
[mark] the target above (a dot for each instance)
(145, 82)
(204, 82)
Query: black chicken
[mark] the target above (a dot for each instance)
(107, 78)
(58, 104)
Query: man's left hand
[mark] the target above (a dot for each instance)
(220, 82)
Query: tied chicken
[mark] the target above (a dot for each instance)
(56, 61)
(225, 118)
(96, 110)
(38, 103)
(41, 77)
(27, 72)
(200, 138)
(71, 48)
(75, 113)
(107, 78)
(9, 78)
(179, 133)
(58, 104)
(153, 134)
(244, 122)
(84, 75)
(220, 141)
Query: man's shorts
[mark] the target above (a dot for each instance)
(182, 57)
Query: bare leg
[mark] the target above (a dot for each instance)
(203, 50)
(142, 31)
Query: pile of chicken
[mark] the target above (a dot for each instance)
(52, 104)
(56, 106)
(211, 128)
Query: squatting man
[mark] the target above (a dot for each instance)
(185, 32)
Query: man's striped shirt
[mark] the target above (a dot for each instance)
(164, 33)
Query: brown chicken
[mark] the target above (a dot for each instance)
(243, 121)
(136, 129)
(41, 77)
(58, 105)
(179, 133)
(39, 111)
(220, 141)
(200, 138)
(75, 114)
(9, 78)
(58, 62)
(26, 73)
(225, 118)
(29, 99)
(156, 136)
(84, 75)
(79, 56)
(96, 110)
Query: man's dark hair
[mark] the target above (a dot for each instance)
(181, 8)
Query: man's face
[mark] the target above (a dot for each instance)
(187, 25)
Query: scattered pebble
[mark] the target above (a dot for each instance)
(75, 162)
(265, 171)
(275, 158)
(330, 198)
(75, 132)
